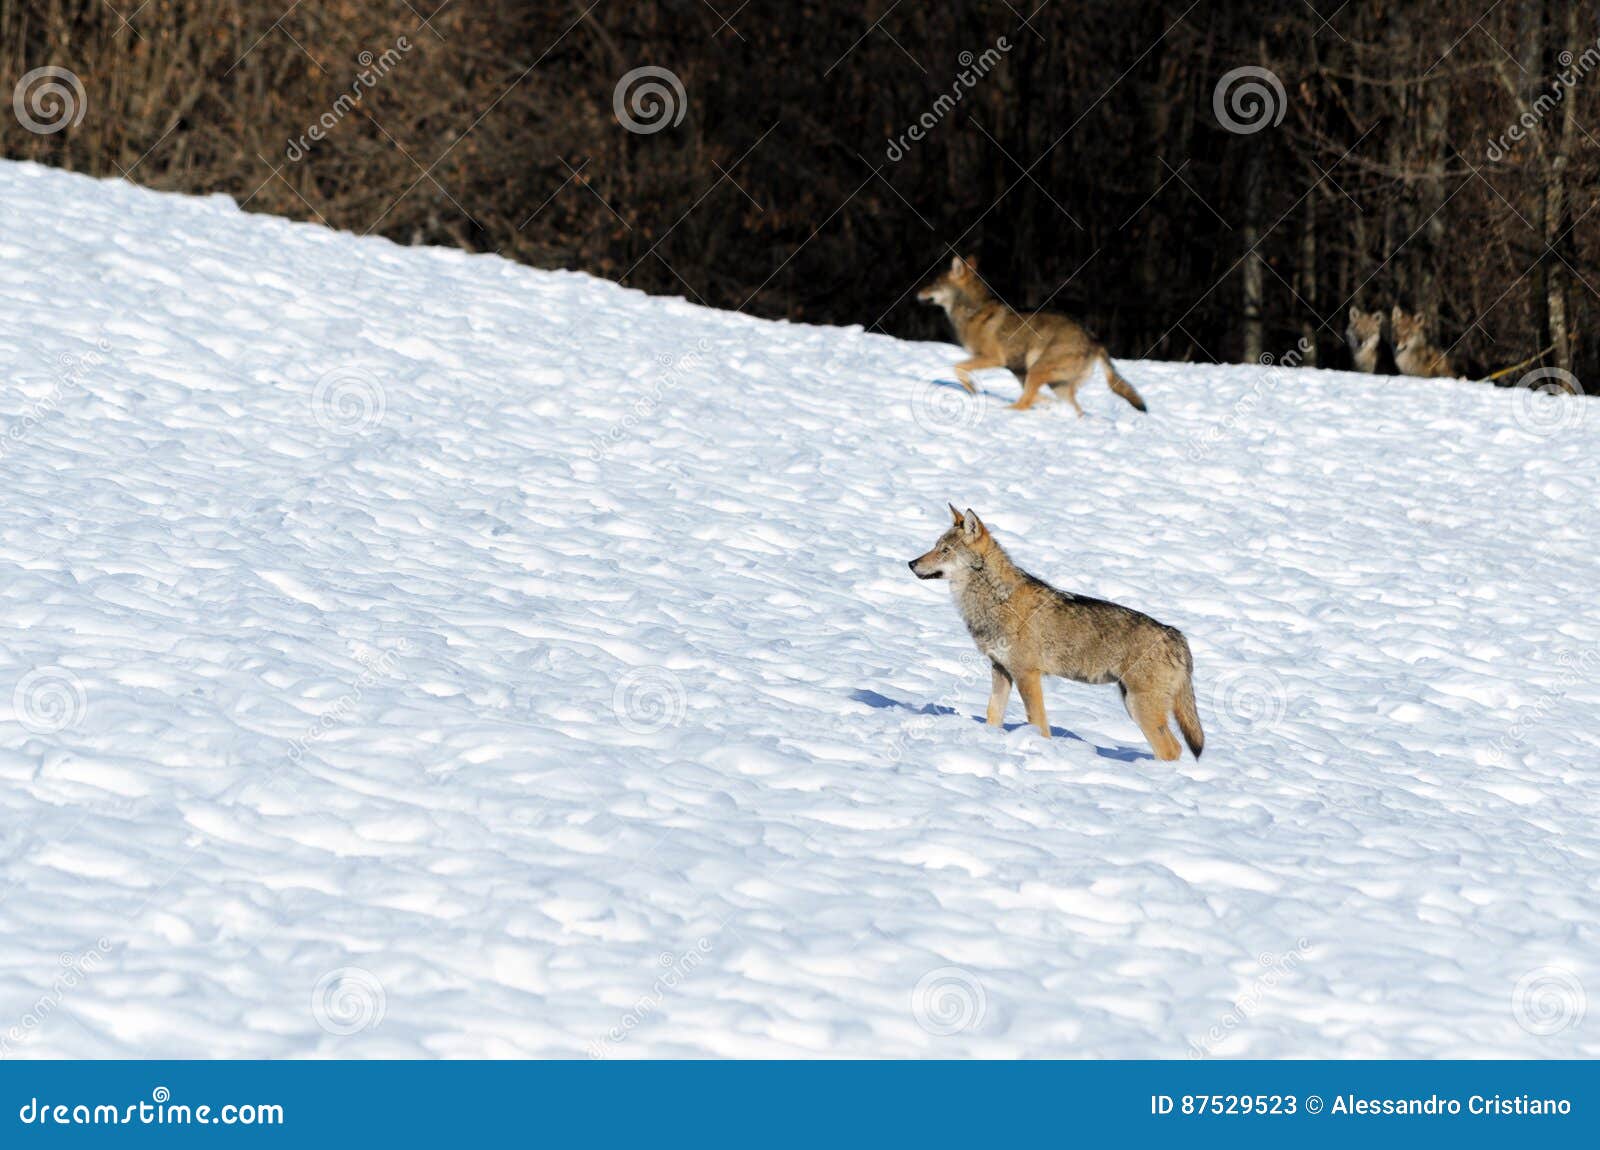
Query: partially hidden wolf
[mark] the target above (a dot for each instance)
(1040, 348)
(1027, 629)
(1365, 337)
(1414, 353)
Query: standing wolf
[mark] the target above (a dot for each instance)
(1028, 629)
(1041, 348)
(1414, 353)
(1365, 337)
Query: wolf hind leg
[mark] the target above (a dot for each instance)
(1058, 377)
(1066, 378)
(1068, 389)
(1151, 715)
(1031, 383)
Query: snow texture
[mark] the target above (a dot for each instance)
(409, 653)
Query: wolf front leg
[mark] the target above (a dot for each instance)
(999, 694)
(976, 363)
(1031, 689)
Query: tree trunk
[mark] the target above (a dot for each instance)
(1254, 336)
(1555, 208)
(1308, 283)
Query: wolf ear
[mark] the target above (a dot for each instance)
(1355, 313)
(974, 527)
(955, 515)
(958, 266)
(1395, 314)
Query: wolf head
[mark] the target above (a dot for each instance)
(1366, 328)
(961, 550)
(949, 286)
(1409, 328)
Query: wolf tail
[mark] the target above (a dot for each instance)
(1119, 385)
(1188, 717)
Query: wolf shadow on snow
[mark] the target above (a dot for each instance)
(885, 703)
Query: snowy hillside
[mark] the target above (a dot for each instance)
(409, 653)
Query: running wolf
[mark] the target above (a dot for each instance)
(1028, 629)
(1040, 348)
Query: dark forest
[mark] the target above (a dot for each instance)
(1206, 181)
